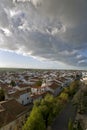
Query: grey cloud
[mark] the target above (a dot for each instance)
(51, 29)
(67, 10)
(3, 19)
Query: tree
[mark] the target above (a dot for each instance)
(66, 90)
(2, 95)
(64, 97)
(70, 124)
(35, 121)
(43, 113)
(73, 87)
(48, 109)
(13, 83)
(39, 83)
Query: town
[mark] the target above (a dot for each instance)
(22, 88)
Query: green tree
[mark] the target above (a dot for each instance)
(64, 97)
(35, 121)
(46, 109)
(13, 83)
(66, 90)
(2, 95)
(70, 124)
(43, 113)
(73, 87)
(39, 83)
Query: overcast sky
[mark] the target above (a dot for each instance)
(43, 34)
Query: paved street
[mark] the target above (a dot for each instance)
(61, 122)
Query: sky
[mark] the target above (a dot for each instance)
(46, 34)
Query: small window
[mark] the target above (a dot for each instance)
(22, 102)
(27, 98)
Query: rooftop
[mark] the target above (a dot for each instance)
(11, 110)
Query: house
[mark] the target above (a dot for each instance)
(20, 95)
(38, 89)
(13, 115)
(38, 92)
(54, 88)
(35, 89)
(39, 96)
(22, 86)
(23, 97)
(64, 81)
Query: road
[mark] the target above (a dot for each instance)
(61, 122)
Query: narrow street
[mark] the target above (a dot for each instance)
(61, 122)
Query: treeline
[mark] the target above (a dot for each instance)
(44, 111)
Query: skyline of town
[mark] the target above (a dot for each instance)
(21, 89)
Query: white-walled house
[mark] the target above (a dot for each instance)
(23, 97)
(39, 96)
(38, 89)
(54, 88)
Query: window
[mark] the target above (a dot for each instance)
(22, 102)
(27, 98)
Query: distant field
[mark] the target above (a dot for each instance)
(21, 69)
(32, 69)
(12, 69)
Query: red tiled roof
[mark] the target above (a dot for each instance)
(23, 85)
(10, 112)
(35, 96)
(54, 86)
(18, 93)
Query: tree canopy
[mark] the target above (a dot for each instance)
(42, 114)
(35, 121)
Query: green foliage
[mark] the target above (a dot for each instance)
(35, 121)
(2, 95)
(48, 109)
(13, 83)
(66, 90)
(43, 113)
(73, 87)
(64, 97)
(77, 98)
(39, 83)
(70, 124)
(37, 103)
(80, 99)
(59, 105)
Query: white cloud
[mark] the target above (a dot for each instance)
(81, 61)
(79, 56)
(6, 31)
(48, 29)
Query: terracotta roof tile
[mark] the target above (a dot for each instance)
(54, 86)
(12, 109)
(18, 93)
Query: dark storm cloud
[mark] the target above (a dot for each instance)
(49, 29)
